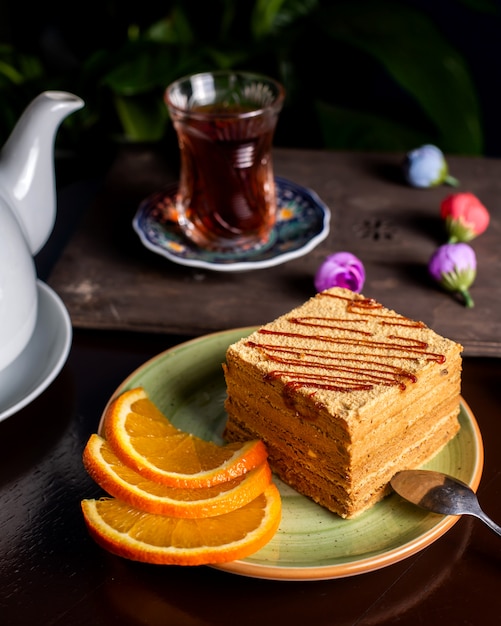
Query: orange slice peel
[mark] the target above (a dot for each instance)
(144, 439)
(177, 499)
(164, 540)
(124, 483)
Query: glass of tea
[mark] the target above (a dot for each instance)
(225, 122)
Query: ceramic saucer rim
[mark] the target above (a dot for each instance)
(50, 305)
(245, 265)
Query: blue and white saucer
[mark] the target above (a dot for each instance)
(302, 223)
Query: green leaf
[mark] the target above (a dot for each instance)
(11, 73)
(271, 16)
(228, 59)
(16, 67)
(142, 69)
(482, 6)
(142, 119)
(346, 129)
(174, 29)
(419, 59)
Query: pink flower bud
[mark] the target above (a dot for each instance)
(465, 216)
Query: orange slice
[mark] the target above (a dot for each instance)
(140, 536)
(144, 439)
(122, 482)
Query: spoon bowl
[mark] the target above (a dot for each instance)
(440, 493)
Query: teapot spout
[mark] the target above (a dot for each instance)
(27, 173)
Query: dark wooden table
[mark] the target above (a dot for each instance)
(52, 573)
(109, 281)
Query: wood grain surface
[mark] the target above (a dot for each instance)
(108, 280)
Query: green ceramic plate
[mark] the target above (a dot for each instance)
(187, 383)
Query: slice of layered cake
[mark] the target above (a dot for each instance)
(344, 392)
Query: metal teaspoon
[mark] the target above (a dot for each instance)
(440, 493)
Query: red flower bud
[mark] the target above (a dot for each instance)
(465, 216)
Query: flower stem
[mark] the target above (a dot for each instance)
(450, 180)
(468, 301)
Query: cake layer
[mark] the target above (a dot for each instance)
(328, 488)
(325, 458)
(344, 393)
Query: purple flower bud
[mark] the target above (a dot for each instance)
(426, 167)
(454, 266)
(341, 269)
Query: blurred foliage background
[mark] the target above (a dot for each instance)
(384, 75)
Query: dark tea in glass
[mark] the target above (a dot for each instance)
(225, 122)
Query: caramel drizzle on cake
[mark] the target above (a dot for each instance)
(348, 370)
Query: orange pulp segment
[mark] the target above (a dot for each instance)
(126, 484)
(133, 534)
(144, 439)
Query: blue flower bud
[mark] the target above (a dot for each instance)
(426, 167)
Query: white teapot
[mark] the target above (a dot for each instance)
(27, 213)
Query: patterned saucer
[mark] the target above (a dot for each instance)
(302, 223)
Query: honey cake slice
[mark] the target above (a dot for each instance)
(344, 393)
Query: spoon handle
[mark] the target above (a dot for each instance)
(492, 525)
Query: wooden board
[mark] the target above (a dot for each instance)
(108, 280)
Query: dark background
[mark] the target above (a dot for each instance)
(314, 66)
